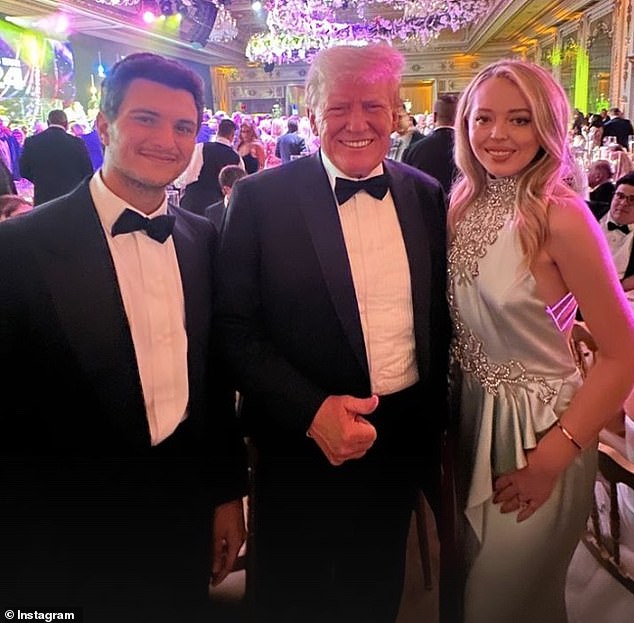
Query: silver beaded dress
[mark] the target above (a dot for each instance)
(517, 376)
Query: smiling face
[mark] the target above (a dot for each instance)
(502, 133)
(149, 143)
(622, 205)
(354, 124)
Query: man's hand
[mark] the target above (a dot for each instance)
(228, 536)
(340, 429)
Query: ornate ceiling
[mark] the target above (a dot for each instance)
(506, 24)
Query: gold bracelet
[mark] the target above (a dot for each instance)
(568, 435)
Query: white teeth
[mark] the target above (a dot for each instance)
(357, 144)
(499, 153)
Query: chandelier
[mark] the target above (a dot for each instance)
(299, 28)
(225, 28)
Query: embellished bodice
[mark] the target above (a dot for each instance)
(503, 332)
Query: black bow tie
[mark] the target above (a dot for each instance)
(375, 186)
(159, 228)
(623, 228)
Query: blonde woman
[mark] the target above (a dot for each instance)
(524, 251)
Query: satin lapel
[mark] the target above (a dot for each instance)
(78, 268)
(319, 208)
(416, 238)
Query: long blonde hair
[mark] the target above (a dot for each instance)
(541, 183)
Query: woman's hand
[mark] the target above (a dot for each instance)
(525, 490)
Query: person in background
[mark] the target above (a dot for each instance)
(250, 148)
(92, 142)
(7, 185)
(434, 153)
(618, 126)
(54, 160)
(618, 228)
(201, 176)
(125, 469)
(13, 205)
(600, 181)
(333, 316)
(405, 136)
(524, 253)
(277, 129)
(227, 177)
(291, 143)
(595, 131)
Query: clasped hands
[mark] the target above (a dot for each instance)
(340, 429)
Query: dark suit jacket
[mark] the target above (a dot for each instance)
(75, 446)
(433, 154)
(289, 144)
(206, 189)
(215, 213)
(288, 311)
(55, 162)
(619, 127)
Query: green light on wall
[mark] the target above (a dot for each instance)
(556, 57)
(582, 76)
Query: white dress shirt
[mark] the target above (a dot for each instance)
(620, 245)
(150, 284)
(381, 276)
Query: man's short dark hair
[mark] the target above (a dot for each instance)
(628, 179)
(57, 117)
(292, 126)
(445, 108)
(152, 67)
(227, 128)
(230, 174)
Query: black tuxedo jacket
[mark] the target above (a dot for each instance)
(215, 213)
(55, 162)
(287, 306)
(72, 397)
(206, 189)
(433, 154)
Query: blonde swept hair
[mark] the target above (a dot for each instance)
(356, 65)
(542, 183)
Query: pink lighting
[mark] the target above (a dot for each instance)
(148, 17)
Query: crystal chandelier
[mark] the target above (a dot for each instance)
(119, 2)
(225, 28)
(299, 28)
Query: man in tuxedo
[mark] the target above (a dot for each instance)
(618, 227)
(434, 153)
(289, 144)
(205, 189)
(121, 467)
(227, 177)
(332, 310)
(54, 160)
(600, 181)
(618, 126)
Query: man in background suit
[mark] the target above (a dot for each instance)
(618, 227)
(289, 144)
(120, 462)
(206, 190)
(619, 127)
(434, 153)
(227, 177)
(332, 310)
(404, 137)
(54, 160)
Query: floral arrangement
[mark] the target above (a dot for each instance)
(299, 28)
